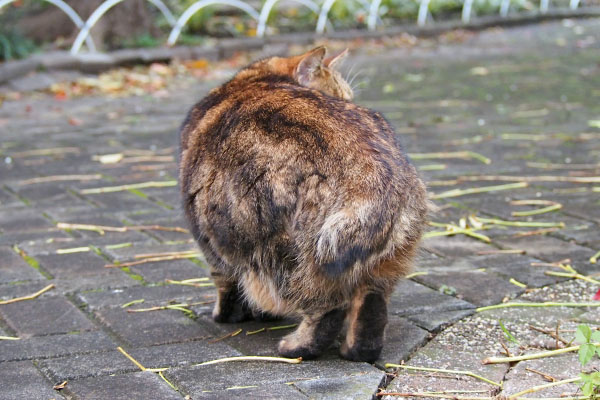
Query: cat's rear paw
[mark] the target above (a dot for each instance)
(360, 353)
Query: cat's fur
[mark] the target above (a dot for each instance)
(302, 202)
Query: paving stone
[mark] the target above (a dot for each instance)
(551, 249)
(55, 346)
(457, 246)
(155, 295)
(461, 347)
(476, 287)
(81, 366)
(174, 270)
(565, 366)
(275, 391)
(14, 268)
(354, 387)
(135, 386)
(411, 298)
(218, 377)
(402, 338)
(74, 264)
(21, 380)
(148, 329)
(45, 316)
(437, 321)
(517, 267)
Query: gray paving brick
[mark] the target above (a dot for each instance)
(55, 346)
(152, 296)
(45, 316)
(411, 298)
(174, 270)
(134, 386)
(21, 380)
(151, 328)
(73, 265)
(476, 287)
(218, 377)
(14, 268)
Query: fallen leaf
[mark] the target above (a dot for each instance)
(75, 121)
(479, 71)
(60, 386)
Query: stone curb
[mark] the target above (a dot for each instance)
(225, 48)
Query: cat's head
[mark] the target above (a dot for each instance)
(312, 69)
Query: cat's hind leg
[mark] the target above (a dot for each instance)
(314, 335)
(367, 318)
(230, 306)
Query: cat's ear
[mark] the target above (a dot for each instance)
(309, 65)
(334, 62)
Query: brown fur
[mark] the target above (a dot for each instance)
(302, 198)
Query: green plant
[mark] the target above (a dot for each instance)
(14, 45)
(589, 346)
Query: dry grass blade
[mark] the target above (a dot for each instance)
(230, 334)
(166, 253)
(60, 386)
(476, 190)
(9, 338)
(536, 232)
(463, 155)
(547, 377)
(551, 206)
(521, 224)
(542, 387)
(60, 178)
(101, 228)
(152, 259)
(142, 185)
(432, 394)
(535, 356)
(445, 371)
(530, 179)
(73, 250)
(510, 251)
(594, 258)
(133, 360)
(47, 152)
(254, 358)
(30, 297)
(191, 282)
(545, 304)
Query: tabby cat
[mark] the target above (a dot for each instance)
(302, 202)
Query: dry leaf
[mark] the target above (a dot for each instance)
(60, 386)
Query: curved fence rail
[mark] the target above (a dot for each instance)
(321, 9)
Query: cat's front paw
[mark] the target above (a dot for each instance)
(360, 353)
(263, 316)
(232, 313)
(292, 349)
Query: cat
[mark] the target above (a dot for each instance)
(302, 202)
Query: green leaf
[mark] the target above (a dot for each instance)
(596, 336)
(587, 389)
(586, 352)
(507, 333)
(583, 334)
(595, 378)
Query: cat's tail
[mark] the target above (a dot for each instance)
(363, 233)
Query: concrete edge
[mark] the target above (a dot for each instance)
(224, 48)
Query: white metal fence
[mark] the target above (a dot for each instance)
(321, 9)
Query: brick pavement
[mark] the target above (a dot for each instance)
(521, 97)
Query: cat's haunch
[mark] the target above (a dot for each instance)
(302, 202)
